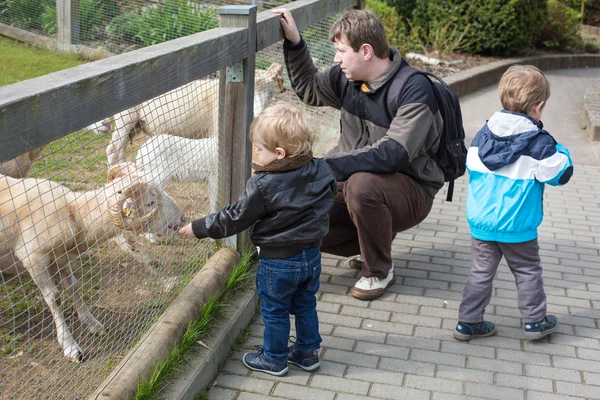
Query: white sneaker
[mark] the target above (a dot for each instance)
(372, 287)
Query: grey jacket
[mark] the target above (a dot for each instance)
(371, 139)
(287, 210)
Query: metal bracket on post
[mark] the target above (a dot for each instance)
(235, 72)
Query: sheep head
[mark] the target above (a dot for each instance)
(124, 211)
(275, 73)
(160, 214)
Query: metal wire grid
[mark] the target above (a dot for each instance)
(127, 291)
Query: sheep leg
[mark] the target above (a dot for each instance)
(71, 287)
(39, 271)
(124, 123)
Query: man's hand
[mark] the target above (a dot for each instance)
(187, 231)
(288, 25)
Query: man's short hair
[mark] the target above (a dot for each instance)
(283, 125)
(522, 87)
(359, 27)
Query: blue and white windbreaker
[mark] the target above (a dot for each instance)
(509, 161)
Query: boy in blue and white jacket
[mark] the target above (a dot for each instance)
(510, 160)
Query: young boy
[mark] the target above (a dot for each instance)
(509, 161)
(286, 203)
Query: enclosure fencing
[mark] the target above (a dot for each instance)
(103, 163)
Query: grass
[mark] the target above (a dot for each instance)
(20, 61)
(240, 279)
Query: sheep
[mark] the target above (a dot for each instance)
(167, 158)
(21, 165)
(45, 226)
(189, 111)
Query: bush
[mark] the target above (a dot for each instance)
(497, 27)
(163, 22)
(404, 8)
(25, 14)
(561, 29)
(390, 19)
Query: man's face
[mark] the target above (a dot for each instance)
(351, 62)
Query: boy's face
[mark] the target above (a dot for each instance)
(351, 62)
(265, 157)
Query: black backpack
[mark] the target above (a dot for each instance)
(451, 155)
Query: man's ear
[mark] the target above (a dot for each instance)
(280, 152)
(368, 51)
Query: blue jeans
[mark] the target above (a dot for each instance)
(289, 286)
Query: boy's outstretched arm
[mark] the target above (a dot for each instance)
(230, 220)
(556, 169)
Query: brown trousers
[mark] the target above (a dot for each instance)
(367, 212)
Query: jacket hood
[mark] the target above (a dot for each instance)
(396, 61)
(505, 137)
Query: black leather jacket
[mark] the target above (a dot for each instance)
(287, 210)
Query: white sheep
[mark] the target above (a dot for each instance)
(46, 226)
(189, 111)
(166, 158)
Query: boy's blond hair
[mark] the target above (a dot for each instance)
(360, 27)
(522, 87)
(283, 125)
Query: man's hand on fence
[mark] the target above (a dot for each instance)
(187, 231)
(288, 25)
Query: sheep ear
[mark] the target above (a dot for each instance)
(123, 169)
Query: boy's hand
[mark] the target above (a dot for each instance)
(288, 25)
(187, 231)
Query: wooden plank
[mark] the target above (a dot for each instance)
(305, 12)
(36, 111)
(236, 113)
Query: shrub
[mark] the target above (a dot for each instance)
(26, 14)
(561, 29)
(404, 8)
(497, 27)
(162, 22)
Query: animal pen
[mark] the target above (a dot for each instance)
(104, 162)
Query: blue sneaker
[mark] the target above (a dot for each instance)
(256, 362)
(466, 331)
(537, 330)
(307, 360)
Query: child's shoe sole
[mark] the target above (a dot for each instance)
(462, 337)
(311, 368)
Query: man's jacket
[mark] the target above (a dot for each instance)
(371, 139)
(287, 210)
(509, 161)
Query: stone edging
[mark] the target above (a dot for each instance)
(479, 77)
(591, 108)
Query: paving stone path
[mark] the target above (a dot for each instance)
(401, 347)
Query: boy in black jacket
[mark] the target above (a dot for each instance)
(286, 203)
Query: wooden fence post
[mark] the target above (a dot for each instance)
(67, 24)
(236, 104)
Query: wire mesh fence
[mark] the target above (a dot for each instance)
(89, 252)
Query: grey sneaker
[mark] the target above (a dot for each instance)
(466, 331)
(539, 329)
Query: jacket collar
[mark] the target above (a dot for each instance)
(285, 164)
(396, 62)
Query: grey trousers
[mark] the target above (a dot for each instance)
(523, 260)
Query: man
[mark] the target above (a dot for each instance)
(386, 177)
